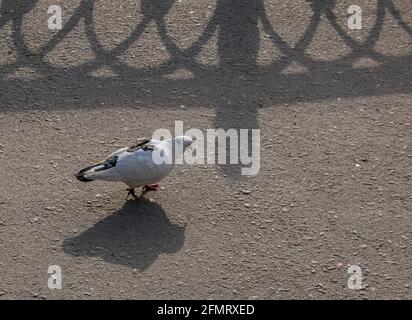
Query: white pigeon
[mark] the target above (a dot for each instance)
(136, 165)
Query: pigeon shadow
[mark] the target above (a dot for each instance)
(134, 236)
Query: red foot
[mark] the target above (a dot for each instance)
(151, 187)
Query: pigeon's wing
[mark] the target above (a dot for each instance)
(101, 170)
(141, 144)
(144, 143)
(116, 153)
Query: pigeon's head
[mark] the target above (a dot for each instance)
(185, 141)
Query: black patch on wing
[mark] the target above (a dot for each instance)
(109, 163)
(143, 144)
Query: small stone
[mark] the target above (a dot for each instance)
(247, 205)
(98, 195)
(320, 285)
(246, 191)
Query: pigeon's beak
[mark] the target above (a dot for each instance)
(187, 141)
(191, 140)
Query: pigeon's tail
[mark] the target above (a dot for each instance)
(84, 175)
(100, 171)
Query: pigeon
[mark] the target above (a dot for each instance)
(136, 165)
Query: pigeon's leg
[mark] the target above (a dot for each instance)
(151, 187)
(131, 192)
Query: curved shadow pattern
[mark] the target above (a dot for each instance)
(236, 22)
(134, 236)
